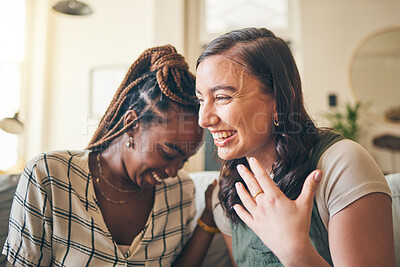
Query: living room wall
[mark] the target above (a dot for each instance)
(331, 33)
(63, 50)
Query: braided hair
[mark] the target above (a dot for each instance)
(156, 81)
(269, 59)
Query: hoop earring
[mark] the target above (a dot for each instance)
(276, 122)
(129, 143)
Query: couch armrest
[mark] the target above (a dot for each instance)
(8, 184)
(394, 184)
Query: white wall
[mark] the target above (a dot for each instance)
(331, 31)
(66, 49)
(115, 34)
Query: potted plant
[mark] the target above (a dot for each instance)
(346, 121)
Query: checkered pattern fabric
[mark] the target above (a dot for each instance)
(55, 219)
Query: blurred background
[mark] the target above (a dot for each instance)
(59, 71)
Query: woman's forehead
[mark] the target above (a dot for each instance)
(221, 64)
(181, 130)
(219, 71)
(179, 120)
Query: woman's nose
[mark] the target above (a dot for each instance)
(172, 170)
(207, 117)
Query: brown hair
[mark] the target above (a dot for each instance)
(158, 79)
(269, 59)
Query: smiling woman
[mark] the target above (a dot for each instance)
(123, 200)
(268, 206)
(233, 133)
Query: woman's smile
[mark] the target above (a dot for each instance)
(157, 178)
(222, 138)
(234, 108)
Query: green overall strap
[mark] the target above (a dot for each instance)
(249, 250)
(318, 232)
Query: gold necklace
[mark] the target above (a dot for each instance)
(100, 175)
(116, 201)
(136, 192)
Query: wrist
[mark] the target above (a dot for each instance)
(208, 218)
(306, 255)
(206, 227)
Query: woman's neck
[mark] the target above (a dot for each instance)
(266, 159)
(113, 168)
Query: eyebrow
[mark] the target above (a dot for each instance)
(219, 87)
(176, 148)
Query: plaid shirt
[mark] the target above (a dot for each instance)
(55, 219)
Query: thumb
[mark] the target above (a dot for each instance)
(310, 187)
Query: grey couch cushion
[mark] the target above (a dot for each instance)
(8, 184)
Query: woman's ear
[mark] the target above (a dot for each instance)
(131, 117)
(275, 110)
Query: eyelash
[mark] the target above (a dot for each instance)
(199, 101)
(217, 98)
(222, 98)
(168, 157)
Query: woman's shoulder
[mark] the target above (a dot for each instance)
(344, 152)
(57, 155)
(52, 162)
(348, 161)
(349, 172)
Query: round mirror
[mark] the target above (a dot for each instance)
(375, 74)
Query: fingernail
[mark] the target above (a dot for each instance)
(235, 207)
(318, 176)
(237, 185)
(239, 167)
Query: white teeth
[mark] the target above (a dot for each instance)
(222, 135)
(156, 177)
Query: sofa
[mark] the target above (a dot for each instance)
(8, 184)
(217, 255)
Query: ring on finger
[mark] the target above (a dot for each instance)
(256, 194)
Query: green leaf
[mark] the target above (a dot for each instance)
(346, 121)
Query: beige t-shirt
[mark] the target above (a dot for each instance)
(349, 173)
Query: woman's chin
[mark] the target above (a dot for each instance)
(225, 154)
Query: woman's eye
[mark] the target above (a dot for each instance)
(199, 101)
(222, 98)
(168, 157)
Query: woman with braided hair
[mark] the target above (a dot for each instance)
(268, 206)
(123, 200)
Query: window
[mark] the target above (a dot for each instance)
(12, 33)
(220, 16)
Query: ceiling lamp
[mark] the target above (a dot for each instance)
(73, 7)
